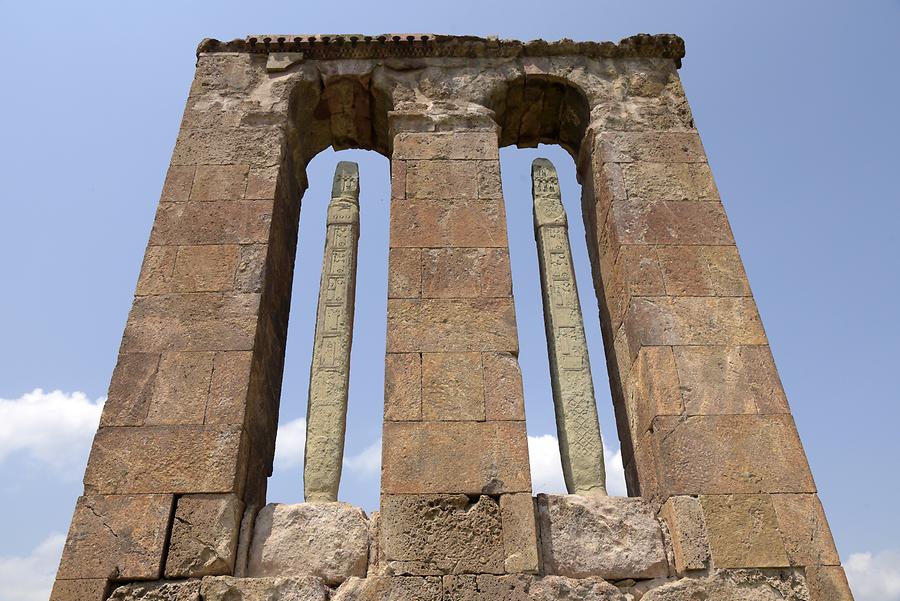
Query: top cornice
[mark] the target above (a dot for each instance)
(420, 45)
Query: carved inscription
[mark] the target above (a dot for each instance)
(580, 444)
(329, 380)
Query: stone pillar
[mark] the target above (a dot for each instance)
(454, 442)
(188, 427)
(705, 425)
(577, 426)
(329, 377)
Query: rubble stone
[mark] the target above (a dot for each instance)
(735, 585)
(389, 588)
(188, 590)
(227, 588)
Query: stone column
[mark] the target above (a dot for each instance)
(329, 377)
(454, 442)
(580, 444)
(189, 425)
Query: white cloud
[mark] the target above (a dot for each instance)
(52, 427)
(289, 444)
(367, 462)
(30, 577)
(874, 576)
(546, 467)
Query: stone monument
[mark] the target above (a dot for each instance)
(722, 503)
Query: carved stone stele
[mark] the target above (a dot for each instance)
(329, 378)
(580, 445)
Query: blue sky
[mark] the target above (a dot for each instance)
(795, 101)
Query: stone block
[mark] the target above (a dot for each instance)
(441, 145)
(703, 271)
(228, 389)
(828, 583)
(177, 187)
(455, 457)
(389, 588)
(250, 272)
(489, 184)
(655, 388)
(220, 182)
(743, 531)
(130, 390)
(690, 543)
(725, 454)
(454, 221)
(661, 222)
(398, 179)
(207, 268)
(181, 390)
(451, 325)
(554, 588)
(729, 380)
(446, 534)
(154, 459)
(655, 147)
(82, 589)
(484, 587)
(635, 273)
(519, 533)
(227, 588)
(465, 273)
(118, 537)
(262, 182)
(204, 536)
(668, 181)
(187, 590)
(610, 537)
(255, 146)
(326, 540)
(405, 273)
(503, 396)
(436, 179)
(212, 222)
(452, 387)
(804, 529)
(157, 270)
(735, 585)
(403, 387)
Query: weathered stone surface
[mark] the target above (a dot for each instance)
(452, 387)
(326, 540)
(804, 529)
(181, 390)
(116, 537)
(743, 531)
(449, 145)
(503, 396)
(444, 534)
(454, 221)
(403, 387)
(655, 388)
(155, 459)
(227, 402)
(520, 587)
(207, 268)
(519, 533)
(451, 325)
(157, 270)
(389, 588)
(204, 536)
(667, 222)
(130, 390)
(250, 271)
(82, 589)
(257, 146)
(220, 182)
(609, 537)
(635, 272)
(441, 179)
(656, 147)
(828, 583)
(177, 187)
(227, 588)
(669, 181)
(405, 273)
(188, 590)
(687, 528)
(465, 273)
(212, 222)
(552, 588)
(703, 271)
(455, 457)
(736, 585)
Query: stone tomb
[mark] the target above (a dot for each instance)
(723, 505)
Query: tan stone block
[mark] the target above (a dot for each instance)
(192, 322)
(457, 325)
(667, 222)
(446, 145)
(655, 388)
(690, 544)
(204, 536)
(635, 272)
(220, 182)
(116, 537)
(228, 389)
(669, 181)
(656, 147)
(177, 187)
(433, 223)
(398, 179)
(676, 321)
(743, 531)
(490, 587)
(489, 184)
(212, 222)
(804, 528)
(130, 390)
(703, 271)
(82, 589)
(455, 457)
(153, 459)
(828, 583)
(157, 270)
(503, 395)
(441, 179)
(444, 534)
(181, 390)
(402, 387)
(519, 533)
(729, 379)
(207, 268)
(389, 588)
(227, 588)
(251, 268)
(642, 472)
(452, 387)
(261, 182)
(159, 590)
(256, 146)
(466, 273)
(724, 454)
(404, 273)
